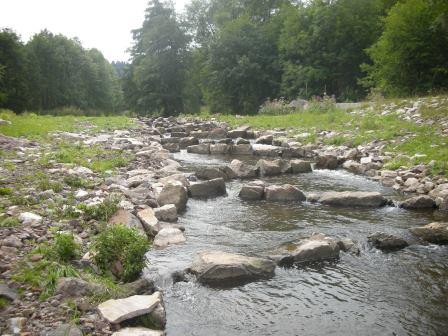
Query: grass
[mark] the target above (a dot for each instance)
(38, 127)
(9, 222)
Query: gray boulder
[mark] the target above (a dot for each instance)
(212, 188)
(75, 287)
(65, 330)
(220, 148)
(169, 236)
(327, 162)
(265, 140)
(242, 170)
(266, 150)
(283, 193)
(300, 166)
(173, 193)
(166, 213)
(187, 142)
(211, 173)
(269, 168)
(418, 202)
(253, 191)
(203, 148)
(435, 233)
(387, 242)
(225, 269)
(128, 219)
(241, 149)
(351, 199)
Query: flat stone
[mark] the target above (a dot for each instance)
(8, 293)
(435, 233)
(241, 149)
(138, 332)
(283, 193)
(169, 236)
(212, 188)
(117, 311)
(269, 168)
(227, 269)
(166, 213)
(149, 221)
(199, 149)
(352, 199)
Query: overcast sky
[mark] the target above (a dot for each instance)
(102, 24)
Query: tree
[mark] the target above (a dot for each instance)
(13, 72)
(411, 57)
(158, 66)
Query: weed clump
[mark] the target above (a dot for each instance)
(100, 212)
(5, 191)
(65, 248)
(9, 222)
(122, 250)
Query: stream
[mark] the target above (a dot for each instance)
(375, 293)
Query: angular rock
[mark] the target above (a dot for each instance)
(117, 311)
(169, 236)
(265, 140)
(241, 149)
(267, 150)
(316, 248)
(128, 219)
(166, 213)
(149, 221)
(217, 133)
(283, 193)
(352, 199)
(138, 332)
(327, 162)
(174, 193)
(8, 293)
(29, 218)
(220, 148)
(172, 147)
(418, 202)
(435, 233)
(300, 166)
(241, 141)
(253, 191)
(175, 178)
(65, 330)
(387, 242)
(212, 188)
(269, 168)
(243, 170)
(210, 173)
(199, 149)
(187, 142)
(226, 269)
(74, 287)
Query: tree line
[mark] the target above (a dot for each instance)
(233, 55)
(52, 71)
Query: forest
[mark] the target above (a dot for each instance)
(232, 56)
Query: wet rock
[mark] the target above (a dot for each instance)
(327, 162)
(220, 148)
(210, 173)
(8, 293)
(29, 218)
(138, 331)
(253, 191)
(172, 147)
(169, 236)
(241, 141)
(167, 213)
(387, 242)
(16, 325)
(225, 269)
(187, 142)
(351, 199)
(435, 233)
(269, 168)
(241, 149)
(199, 149)
(212, 188)
(316, 248)
(243, 170)
(141, 286)
(418, 202)
(300, 166)
(65, 330)
(149, 221)
(218, 133)
(267, 150)
(294, 151)
(284, 193)
(128, 219)
(174, 193)
(348, 245)
(265, 140)
(74, 287)
(117, 311)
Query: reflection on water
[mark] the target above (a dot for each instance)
(402, 293)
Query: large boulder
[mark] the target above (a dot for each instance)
(174, 193)
(327, 162)
(169, 236)
(187, 142)
(418, 202)
(128, 219)
(266, 150)
(316, 248)
(269, 168)
(283, 193)
(243, 170)
(211, 173)
(387, 242)
(203, 148)
(149, 221)
(212, 188)
(218, 133)
(265, 140)
(300, 166)
(225, 269)
(253, 191)
(435, 233)
(121, 310)
(351, 199)
(241, 149)
(166, 213)
(75, 287)
(220, 148)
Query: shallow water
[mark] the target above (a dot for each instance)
(400, 293)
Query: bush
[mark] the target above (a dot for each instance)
(123, 245)
(323, 105)
(275, 107)
(65, 248)
(100, 212)
(5, 191)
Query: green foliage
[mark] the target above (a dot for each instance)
(3, 303)
(119, 243)
(77, 182)
(9, 222)
(101, 212)
(275, 107)
(65, 248)
(5, 191)
(324, 105)
(411, 55)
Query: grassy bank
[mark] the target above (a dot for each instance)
(417, 143)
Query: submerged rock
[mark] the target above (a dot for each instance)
(226, 269)
(284, 193)
(253, 191)
(316, 248)
(350, 199)
(387, 242)
(212, 188)
(435, 233)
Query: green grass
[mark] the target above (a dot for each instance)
(9, 222)
(36, 127)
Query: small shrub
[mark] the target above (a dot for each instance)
(275, 107)
(322, 105)
(124, 245)
(3, 303)
(65, 248)
(76, 182)
(5, 191)
(100, 212)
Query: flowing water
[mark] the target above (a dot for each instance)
(375, 293)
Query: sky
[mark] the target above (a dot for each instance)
(102, 24)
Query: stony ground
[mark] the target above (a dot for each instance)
(82, 181)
